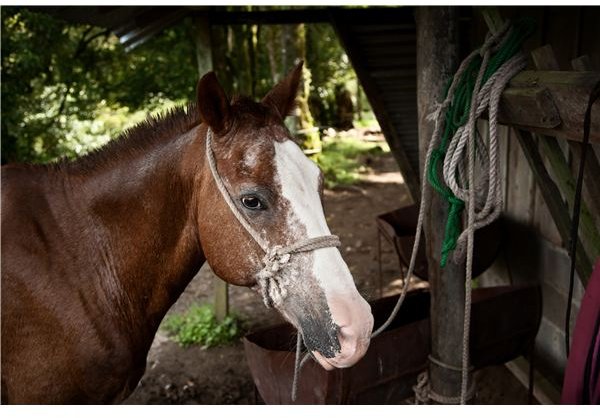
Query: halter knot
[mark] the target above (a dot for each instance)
(271, 282)
(275, 259)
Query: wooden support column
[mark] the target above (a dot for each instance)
(204, 58)
(437, 59)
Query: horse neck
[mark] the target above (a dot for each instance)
(142, 210)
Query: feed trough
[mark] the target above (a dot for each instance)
(398, 227)
(505, 321)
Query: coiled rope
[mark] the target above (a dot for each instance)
(488, 66)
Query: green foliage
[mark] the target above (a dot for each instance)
(340, 159)
(198, 325)
(331, 71)
(68, 88)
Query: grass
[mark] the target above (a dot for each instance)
(198, 325)
(340, 162)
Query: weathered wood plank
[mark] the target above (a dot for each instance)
(529, 106)
(566, 184)
(569, 91)
(553, 200)
(437, 34)
(582, 63)
(545, 59)
(520, 197)
(374, 15)
(591, 181)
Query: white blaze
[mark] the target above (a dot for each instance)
(299, 178)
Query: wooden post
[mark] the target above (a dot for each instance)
(437, 59)
(204, 58)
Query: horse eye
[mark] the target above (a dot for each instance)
(252, 203)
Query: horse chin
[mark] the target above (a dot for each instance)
(322, 361)
(347, 357)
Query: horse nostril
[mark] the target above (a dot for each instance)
(346, 333)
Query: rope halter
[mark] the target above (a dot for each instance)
(276, 257)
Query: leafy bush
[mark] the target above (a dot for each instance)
(198, 325)
(340, 159)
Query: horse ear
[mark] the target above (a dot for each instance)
(282, 97)
(213, 103)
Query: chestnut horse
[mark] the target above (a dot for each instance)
(95, 251)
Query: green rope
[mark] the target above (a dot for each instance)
(457, 115)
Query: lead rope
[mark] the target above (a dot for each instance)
(484, 98)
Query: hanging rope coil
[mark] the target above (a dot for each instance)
(491, 64)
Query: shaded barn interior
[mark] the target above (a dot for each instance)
(537, 171)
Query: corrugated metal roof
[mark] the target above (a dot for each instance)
(132, 24)
(384, 57)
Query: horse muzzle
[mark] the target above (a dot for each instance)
(354, 324)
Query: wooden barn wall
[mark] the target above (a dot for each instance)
(533, 250)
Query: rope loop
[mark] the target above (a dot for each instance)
(424, 393)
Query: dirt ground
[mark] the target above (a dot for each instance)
(177, 375)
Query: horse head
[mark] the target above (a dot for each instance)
(263, 224)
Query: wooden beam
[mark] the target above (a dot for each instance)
(529, 106)
(375, 15)
(203, 42)
(437, 36)
(568, 90)
(582, 63)
(379, 108)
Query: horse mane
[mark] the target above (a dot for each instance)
(155, 129)
(158, 128)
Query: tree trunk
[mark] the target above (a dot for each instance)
(295, 50)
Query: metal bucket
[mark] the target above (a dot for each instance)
(505, 321)
(399, 226)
